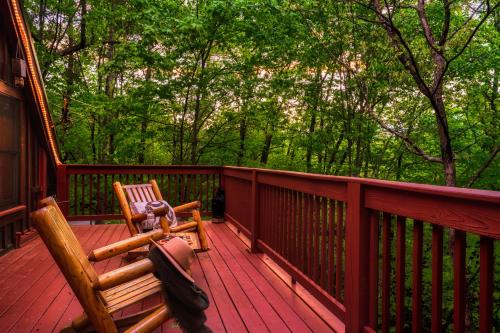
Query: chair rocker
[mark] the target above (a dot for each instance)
(151, 192)
(105, 294)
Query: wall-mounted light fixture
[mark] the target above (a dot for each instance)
(19, 72)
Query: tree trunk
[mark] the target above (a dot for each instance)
(243, 132)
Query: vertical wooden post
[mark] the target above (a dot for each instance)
(356, 279)
(222, 184)
(62, 188)
(254, 213)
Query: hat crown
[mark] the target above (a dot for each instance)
(180, 250)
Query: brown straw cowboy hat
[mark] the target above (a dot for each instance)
(178, 253)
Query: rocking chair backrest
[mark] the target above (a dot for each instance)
(73, 263)
(140, 192)
(137, 193)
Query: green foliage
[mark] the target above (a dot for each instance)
(281, 84)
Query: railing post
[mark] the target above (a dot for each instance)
(255, 213)
(62, 188)
(357, 260)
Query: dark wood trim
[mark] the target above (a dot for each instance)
(12, 210)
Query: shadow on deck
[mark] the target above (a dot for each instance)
(247, 292)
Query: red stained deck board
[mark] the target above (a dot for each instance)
(246, 307)
(239, 285)
(214, 320)
(271, 318)
(227, 310)
(298, 316)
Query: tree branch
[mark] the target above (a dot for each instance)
(446, 23)
(409, 143)
(425, 25)
(485, 165)
(83, 32)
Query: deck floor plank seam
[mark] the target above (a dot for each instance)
(271, 288)
(214, 320)
(243, 303)
(229, 314)
(269, 315)
(287, 294)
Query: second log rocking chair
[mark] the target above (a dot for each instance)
(151, 192)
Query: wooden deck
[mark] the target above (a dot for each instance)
(247, 292)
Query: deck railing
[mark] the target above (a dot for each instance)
(380, 255)
(85, 192)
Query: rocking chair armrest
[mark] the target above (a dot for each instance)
(187, 207)
(125, 245)
(123, 274)
(162, 211)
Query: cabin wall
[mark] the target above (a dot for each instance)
(24, 162)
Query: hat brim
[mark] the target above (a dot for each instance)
(174, 262)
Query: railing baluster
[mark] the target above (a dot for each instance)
(113, 207)
(459, 282)
(487, 260)
(75, 194)
(310, 223)
(175, 197)
(386, 272)
(317, 222)
(305, 228)
(293, 242)
(105, 194)
(324, 235)
(279, 223)
(400, 273)
(374, 268)
(339, 251)
(98, 194)
(437, 278)
(287, 224)
(418, 238)
(82, 179)
(284, 222)
(91, 209)
(266, 223)
(331, 246)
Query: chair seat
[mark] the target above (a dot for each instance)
(125, 294)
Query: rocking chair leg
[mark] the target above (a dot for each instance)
(201, 230)
(80, 324)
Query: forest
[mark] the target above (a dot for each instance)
(398, 90)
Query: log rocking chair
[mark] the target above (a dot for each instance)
(105, 294)
(127, 194)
